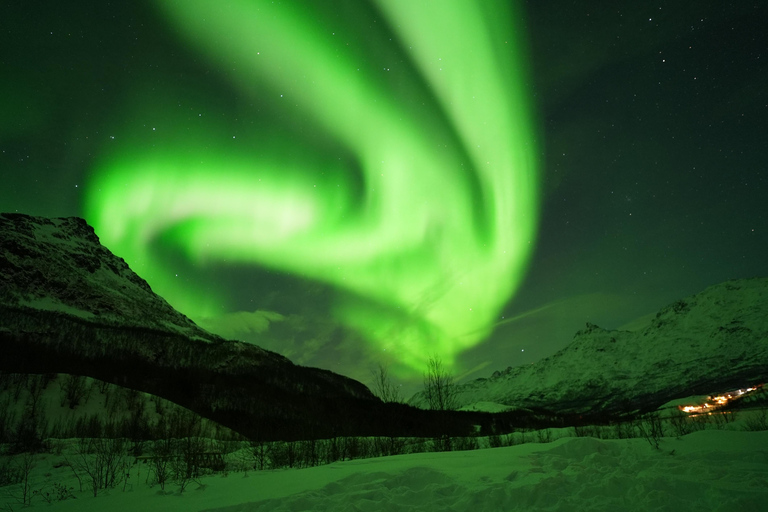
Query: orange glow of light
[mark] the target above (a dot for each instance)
(718, 401)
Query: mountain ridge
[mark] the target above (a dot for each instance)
(70, 306)
(716, 339)
(59, 264)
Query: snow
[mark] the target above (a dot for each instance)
(707, 335)
(705, 470)
(487, 407)
(719, 336)
(681, 402)
(51, 304)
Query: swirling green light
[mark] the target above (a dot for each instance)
(433, 235)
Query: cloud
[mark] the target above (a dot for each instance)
(241, 323)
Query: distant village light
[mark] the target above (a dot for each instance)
(716, 402)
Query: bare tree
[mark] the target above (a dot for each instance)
(72, 390)
(383, 387)
(439, 387)
(102, 461)
(25, 465)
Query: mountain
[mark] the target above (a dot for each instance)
(59, 265)
(713, 341)
(68, 305)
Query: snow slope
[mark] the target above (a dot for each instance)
(60, 265)
(706, 470)
(709, 342)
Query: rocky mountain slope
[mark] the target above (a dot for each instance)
(68, 305)
(59, 265)
(710, 342)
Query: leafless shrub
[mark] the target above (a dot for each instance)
(30, 431)
(276, 454)
(259, 453)
(651, 429)
(385, 446)
(681, 423)
(56, 492)
(73, 390)
(723, 418)
(355, 448)
(544, 435)
(160, 463)
(101, 462)
(186, 462)
(439, 387)
(18, 472)
(587, 431)
(757, 421)
(623, 430)
(516, 438)
(383, 387)
(465, 443)
(441, 444)
(10, 474)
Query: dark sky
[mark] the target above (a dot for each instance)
(649, 120)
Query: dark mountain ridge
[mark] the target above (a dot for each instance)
(68, 305)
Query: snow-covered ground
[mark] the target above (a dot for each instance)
(705, 470)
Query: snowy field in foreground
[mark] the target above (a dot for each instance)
(705, 470)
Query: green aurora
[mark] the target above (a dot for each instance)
(423, 207)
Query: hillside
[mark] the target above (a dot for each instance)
(60, 265)
(709, 342)
(68, 305)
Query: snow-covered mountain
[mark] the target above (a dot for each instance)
(68, 305)
(709, 342)
(59, 265)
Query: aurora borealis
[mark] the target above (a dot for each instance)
(378, 181)
(438, 238)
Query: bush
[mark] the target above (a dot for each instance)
(16, 472)
(544, 435)
(723, 418)
(101, 462)
(186, 462)
(651, 428)
(72, 390)
(440, 390)
(278, 455)
(623, 430)
(160, 463)
(57, 492)
(757, 421)
(465, 443)
(587, 431)
(29, 433)
(441, 444)
(681, 423)
(10, 473)
(259, 451)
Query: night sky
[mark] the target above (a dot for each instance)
(384, 181)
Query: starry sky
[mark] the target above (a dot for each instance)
(320, 182)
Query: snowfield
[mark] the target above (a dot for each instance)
(706, 470)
